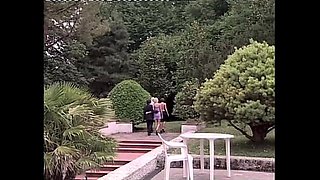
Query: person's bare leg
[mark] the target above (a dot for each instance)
(163, 126)
(158, 125)
(155, 124)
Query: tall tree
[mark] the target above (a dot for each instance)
(157, 59)
(246, 19)
(66, 37)
(206, 12)
(148, 19)
(242, 91)
(107, 62)
(197, 59)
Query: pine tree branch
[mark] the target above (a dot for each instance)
(239, 129)
(274, 126)
(62, 37)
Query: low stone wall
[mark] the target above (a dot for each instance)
(237, 163)
(116, 127)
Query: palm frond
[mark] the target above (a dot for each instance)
(62, 151)
(74, 132)
(48, 163)
(102, 145)
(102, 157)
(82, 111)
(52, 96)
(47, 142)
(86, 163)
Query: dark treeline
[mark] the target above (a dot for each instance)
(161, 45)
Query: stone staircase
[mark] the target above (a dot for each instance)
(127, 151)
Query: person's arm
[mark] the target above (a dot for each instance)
(165, 107)
(145, 109)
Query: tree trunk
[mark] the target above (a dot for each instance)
(259, 132)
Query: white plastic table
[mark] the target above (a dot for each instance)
(211, 137)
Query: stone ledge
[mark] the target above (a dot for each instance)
(136, 169)
(116, 127)
(237, 163)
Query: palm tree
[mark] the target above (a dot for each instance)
(72, 142)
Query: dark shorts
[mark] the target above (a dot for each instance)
(164, 116)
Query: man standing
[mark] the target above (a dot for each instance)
(148, 116)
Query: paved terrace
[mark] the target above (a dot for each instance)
(176, 174)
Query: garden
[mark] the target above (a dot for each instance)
(211, 60)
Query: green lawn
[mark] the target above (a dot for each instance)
(171, 127)
(240, 145)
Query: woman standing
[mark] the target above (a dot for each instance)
(164, 114)
(157, 113)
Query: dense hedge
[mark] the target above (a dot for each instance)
(184, 101)
(128, 99)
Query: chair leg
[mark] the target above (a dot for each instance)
(184, 168)
(190, 168)
(187, 169)
(167, 170)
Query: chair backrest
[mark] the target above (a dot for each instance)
(164, 144)
(168, 144)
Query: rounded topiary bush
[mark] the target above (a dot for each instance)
(242, 91)
(128, 99)
(184, 99)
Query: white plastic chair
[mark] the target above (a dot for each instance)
(184, 156)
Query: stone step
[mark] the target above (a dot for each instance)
(118, 162)
(96, 173)
(126, 156)
(110, 167)
(138, 145)
(134, 150)
(140, 141)
(83, 177)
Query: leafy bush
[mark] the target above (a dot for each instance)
(184, 101)
(242, 91)
(72, 142)
(128, 99)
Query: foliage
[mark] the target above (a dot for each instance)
(128, 99)
(148, 19)
(196, 58)
(72, 143)
(242, 91)
(92, 23)
(184, 100)
(67, 32)
(56, 70)
(206, 11)
(107, 62)
(246, 19)
(157, 59)
(166, 62)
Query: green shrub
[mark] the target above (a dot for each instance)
(184, 101)
(128, 99)
(242, 91)
(72, 142)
